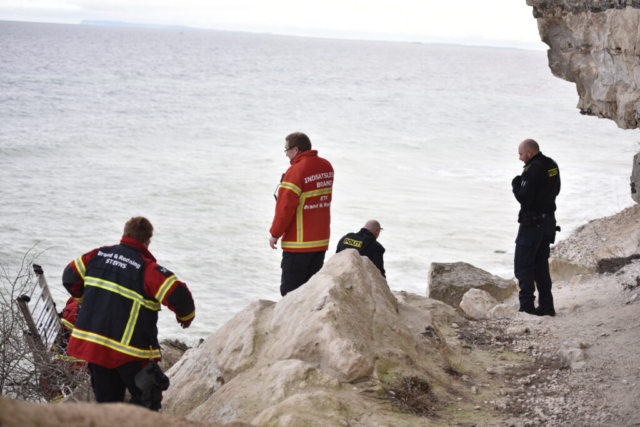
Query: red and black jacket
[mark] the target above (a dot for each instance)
(303, 208)
(121, 289)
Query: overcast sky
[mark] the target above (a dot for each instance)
(489, 22)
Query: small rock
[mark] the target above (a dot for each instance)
(344, 423)
(455, 325)
(474, 390)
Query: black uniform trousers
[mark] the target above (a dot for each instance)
(531, 264)
(297, 269)
(109, 384)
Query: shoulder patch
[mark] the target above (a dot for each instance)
(526, 168)
(553, 172)
(353, 242)
(164, 271)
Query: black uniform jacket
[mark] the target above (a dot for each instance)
(536, 189)
(364, 242)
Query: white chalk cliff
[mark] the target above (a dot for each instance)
(596, 45)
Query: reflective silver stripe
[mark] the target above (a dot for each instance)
(120, 290)
(131, 324)
(165, 287)
(66, 323)
(291, 187)
(82, 270)
(114, 345)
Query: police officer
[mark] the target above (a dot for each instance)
(536, 190)
(364, 241)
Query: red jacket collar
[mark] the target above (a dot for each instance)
(136, 244)
(304, 155)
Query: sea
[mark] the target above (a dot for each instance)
(99, 124)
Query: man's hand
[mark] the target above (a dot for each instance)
(516, 181)
(185, 325)
(272, 242)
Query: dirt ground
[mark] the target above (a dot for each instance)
(583, 365)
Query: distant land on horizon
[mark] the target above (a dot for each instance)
(135, 25)
(461, 43)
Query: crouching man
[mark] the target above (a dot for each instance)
(121, 289)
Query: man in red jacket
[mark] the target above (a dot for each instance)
(121, 289)
(303, 213)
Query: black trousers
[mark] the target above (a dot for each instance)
(531, 263)
(109, 384)
(297, 269)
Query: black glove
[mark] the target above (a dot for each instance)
(516, 181)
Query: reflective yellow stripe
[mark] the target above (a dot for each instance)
(165, 287)
(299, 221)
(67, 358)
(57, 399)
(115, 345)
(315, 244)
(320, 192)
(291, 187)
(121, 290)
(67, 324)
(133, 319)
(188, 316)
(79, 299)
(82, 270)
(300, 211)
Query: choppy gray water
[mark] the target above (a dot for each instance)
(99, 124)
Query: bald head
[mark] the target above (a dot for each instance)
(373, 226)
(527, 149)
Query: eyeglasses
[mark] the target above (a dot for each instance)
(287, 149)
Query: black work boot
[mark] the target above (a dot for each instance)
(544, 311)
(529, 309)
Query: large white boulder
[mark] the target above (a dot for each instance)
(295, 362)
(448, 282)
(478, 304)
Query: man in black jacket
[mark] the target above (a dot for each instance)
(364, 241)
(536, 190)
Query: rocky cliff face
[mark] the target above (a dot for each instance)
(596, 45)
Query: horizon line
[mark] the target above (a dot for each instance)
(508, 44)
